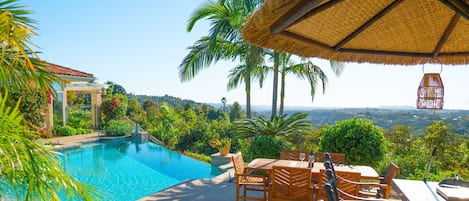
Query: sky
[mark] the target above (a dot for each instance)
(140, 44)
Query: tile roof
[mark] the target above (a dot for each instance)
(61, 70)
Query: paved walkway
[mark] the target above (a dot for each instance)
(74, 140)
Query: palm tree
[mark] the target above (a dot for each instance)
(283, 60)
(224, 41)
(223, 102)
(305, 71)
(32, 170)
(275, 84)
(20, 66)
(296, 124)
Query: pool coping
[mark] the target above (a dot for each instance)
(75, 141)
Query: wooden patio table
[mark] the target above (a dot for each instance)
(266, 164)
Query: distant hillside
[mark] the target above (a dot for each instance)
(171, 100)
(418, 120)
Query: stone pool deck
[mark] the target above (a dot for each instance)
(74, 140)
(78, 140)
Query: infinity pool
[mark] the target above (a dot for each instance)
(132, 169)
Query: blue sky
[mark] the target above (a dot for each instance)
(140, 44)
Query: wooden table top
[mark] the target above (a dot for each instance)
(266, 164)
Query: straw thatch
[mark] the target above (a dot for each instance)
(374, 31)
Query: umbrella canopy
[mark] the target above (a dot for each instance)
(374, 31)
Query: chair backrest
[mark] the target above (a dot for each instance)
(293, 155)
(340, 180)
(344, 183)
(390, 174)
(238, 163)
(338, 158)
(329, 165)
(291, 183)
(330, 192)
(323, 180)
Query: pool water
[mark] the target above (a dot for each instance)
(130, 169)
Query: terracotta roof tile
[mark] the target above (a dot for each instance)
(61, 70)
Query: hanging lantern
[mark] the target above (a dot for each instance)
(430, 93)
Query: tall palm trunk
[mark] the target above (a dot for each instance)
(275, 85)
(282, 93)
(247, 81)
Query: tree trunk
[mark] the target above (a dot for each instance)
(282, 93)
(247, 81)
(275, 85)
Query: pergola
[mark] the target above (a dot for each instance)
(74, 80)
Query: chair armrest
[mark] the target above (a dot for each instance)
(264, 178)
(360, 198)
(248, 170)
(251, 175)
(371, 184)
(381, 179)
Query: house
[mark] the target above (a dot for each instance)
(73, 80)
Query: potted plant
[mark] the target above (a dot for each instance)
(223, 145)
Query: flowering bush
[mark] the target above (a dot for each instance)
(113, 109)
(220, 143)
(32, 105)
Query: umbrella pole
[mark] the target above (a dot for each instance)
(429, 165)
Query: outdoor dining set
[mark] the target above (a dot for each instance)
(300, 176)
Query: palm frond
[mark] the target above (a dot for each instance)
(337, 67)
(19, 64)
(202, 54)
(296, 124)
(32, 169)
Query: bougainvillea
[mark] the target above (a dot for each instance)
(33, 105)
(113, 109)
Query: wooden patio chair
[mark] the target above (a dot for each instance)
(337, 158)
(384, 189)
(346, 183)
(291, 184)
(334, 193)
(293, 155)
(249, 182)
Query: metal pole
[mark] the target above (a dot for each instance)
(429, 165)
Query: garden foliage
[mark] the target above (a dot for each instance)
(360, 140)
(31, 168)
(113, 109)
(118, 128)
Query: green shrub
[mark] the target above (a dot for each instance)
(118, 128)
(267, 146)
(79, 118)
(84, 131)
(361, 141)
(65, 131)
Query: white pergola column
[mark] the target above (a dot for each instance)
(64, 107)
(95, 108)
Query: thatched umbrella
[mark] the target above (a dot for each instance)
(374, 31)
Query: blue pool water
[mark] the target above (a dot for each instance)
(132, 169)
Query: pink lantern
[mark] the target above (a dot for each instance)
(430, 93)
